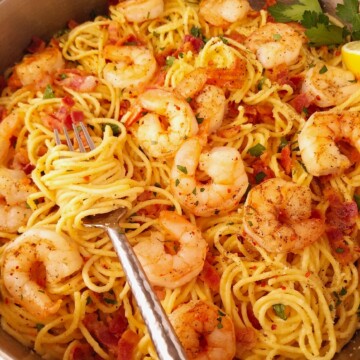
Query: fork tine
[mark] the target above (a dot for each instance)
(87, 136)
(57, 137)
(68, 140)
(78, 138)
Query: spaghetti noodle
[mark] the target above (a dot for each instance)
(185, 79)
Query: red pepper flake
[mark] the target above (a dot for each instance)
(308, 274)
(273, 327)
(283, 287)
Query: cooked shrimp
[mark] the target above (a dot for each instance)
(208, 101)
(38, 69)
(160, 137)
(223, 12)
(319, 137)
(15, 187)
(129, 66)
(141, 10)
(223, 165)
(278, 216)
(329, 85)
(275, 44)
(8, 127)
(204, 330)
(22, 259)
(164, 269)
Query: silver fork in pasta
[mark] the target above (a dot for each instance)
(160, 329)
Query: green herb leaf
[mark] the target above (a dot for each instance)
(325, 35)
(259, 177)
(293, 12)
(110, 301)
(196, 32)
(48, 92)
(177, 182)
(199, 119)
(182, 169)
(169, 61)
(257, 150)
(279, 310)
(323, 70)
(277, 37)
(347, 10)
(357, 200)
(115, 128)
(39, 326)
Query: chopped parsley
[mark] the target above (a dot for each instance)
(257, 150)
(323, 70)
(169, 61)
(115, 128)
(183, 169)
(39, 326)
(259, 177)
(279, 310)
(357, 200)
(48, 92)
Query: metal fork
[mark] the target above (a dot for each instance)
(162, 334)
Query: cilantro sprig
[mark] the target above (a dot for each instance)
(318, 27)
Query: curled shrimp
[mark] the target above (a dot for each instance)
(207, 101)
(164, 269)
(169, 121)
(223, 12)
(201, 196)
(22, 260)
(278, 216)
(204, 330)
(319, 139)
(129, 66)
(275, 44)
(15, 187)
(38, 69)
(329, 85)
(138, 11)
(8, 127)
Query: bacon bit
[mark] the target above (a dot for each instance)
(76, 79)
(259, 114)
(301, 101)
(71, 24)
(62, 117)
(269, 3)
(210, 276)
(82, 352)
(273, 327)
(195, 43)
(340, 249)
(340, 214)
(308, 274)
(107, 331)
(252, 318)
(28, 168)
(285, 159)
(127, 345)
(112, 2)
(68, 101)
(36, 45)
(246, 337)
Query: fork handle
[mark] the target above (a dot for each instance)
(162, 334)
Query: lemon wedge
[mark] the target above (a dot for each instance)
(350, 53)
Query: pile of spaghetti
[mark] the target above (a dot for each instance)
(234, 146)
